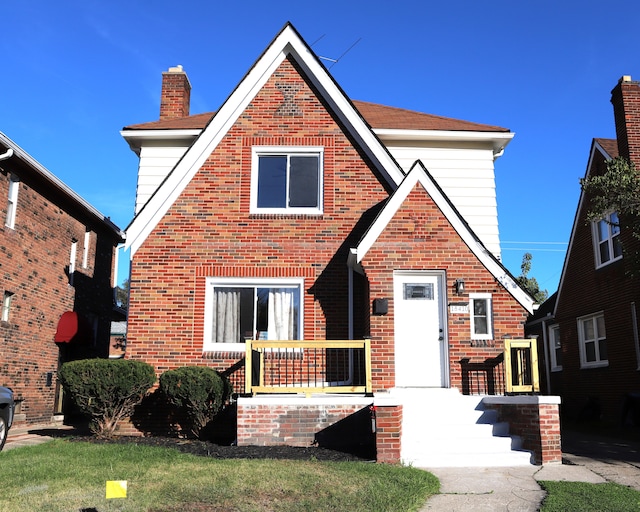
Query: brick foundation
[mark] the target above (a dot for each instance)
(388, 433)
(536, 419)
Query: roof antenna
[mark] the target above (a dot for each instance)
(335, 61)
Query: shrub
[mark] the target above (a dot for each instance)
(106, 390)
(198, 392)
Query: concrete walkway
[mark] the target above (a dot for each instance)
(590, 459)
(587, 458)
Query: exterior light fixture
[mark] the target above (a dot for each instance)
(459, 286)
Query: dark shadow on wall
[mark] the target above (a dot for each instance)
(354, 435)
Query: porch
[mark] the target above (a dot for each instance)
(321, 392)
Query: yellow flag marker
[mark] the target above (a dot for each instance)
(116, 489)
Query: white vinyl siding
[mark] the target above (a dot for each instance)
(467, 177)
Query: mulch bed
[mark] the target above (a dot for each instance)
(208, 449)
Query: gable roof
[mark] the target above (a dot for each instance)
(287, 43)
(608, 148)
(419, 174)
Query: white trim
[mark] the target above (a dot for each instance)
(287, 43)
(595, 239)
(553, 360)
(85, 249)
(258, 151)
(6, 305)
(419, 174)
(12, 202)
(599, 362)
(489, 299)
(244, 282)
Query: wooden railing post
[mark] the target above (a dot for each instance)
(248, 360)
(367, 366)
(521, 366)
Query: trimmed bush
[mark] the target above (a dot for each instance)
(106, 390)
(198, 392)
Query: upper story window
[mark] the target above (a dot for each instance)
(286, 180)
(481, 316)
(12, 203)
(72, 259)
(592, 341)
(241, 309)
(85, 249)
(6, 306)
(555, 348)
(606, 237)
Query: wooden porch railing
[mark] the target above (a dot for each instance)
(513, 371)
(300, 366)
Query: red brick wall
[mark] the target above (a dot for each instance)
(538, 424)
(420, 238)
(34, 260)
(388, 433)
(293, 425)
(209, 232)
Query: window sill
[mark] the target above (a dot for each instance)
(589, 366)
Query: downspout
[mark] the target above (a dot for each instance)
(7, 154)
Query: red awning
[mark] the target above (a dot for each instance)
(68, 327)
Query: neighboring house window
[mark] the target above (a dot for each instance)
(72, 259)
(236, 310)
(6, 305)
(592, 339)
(286, 180)
(606, 235)
(555, 348)
(12, 204)
(481, 313)
(85, 249)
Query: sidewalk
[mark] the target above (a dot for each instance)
(586, 458)
(35, 434)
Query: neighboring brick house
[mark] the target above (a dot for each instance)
(590, 329)
(56, 264)
(356, 237)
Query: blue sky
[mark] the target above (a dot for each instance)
(76, 72)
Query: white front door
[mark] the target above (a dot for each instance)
(420, 334)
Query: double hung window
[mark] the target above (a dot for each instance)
(481, 316)
(606, 235)
(286, 180)
(592, 339)
(237, 310)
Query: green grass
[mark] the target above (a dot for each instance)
(62, 475)
(584, 497)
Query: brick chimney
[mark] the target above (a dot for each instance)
(176, 94)
(626, 110)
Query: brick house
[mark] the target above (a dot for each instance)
(295, 213)
(590, 329)
(57, 266)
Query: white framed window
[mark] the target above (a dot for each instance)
(239, 309)
(592, 341)
(72, 259)
(606, 239)
(85, 249)
(555, 348)
(481, 316)
(6, 306)
(12, 203)
(287, 180)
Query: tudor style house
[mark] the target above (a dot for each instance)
(590, 329)
(294, 213)
(57, 258)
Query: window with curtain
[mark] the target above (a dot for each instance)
(239, 311)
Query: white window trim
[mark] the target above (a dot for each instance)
(85, 249)
(599, 363)
(257, 151)
(12, 202)
(72, 260)
(207, 344)
(6, 306)
(595, 237)
(483, 296)
(553, 332)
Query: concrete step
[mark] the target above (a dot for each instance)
(489, 459)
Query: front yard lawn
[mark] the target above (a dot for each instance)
(64, 475)
(585, 497)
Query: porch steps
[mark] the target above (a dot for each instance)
(443, 428)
